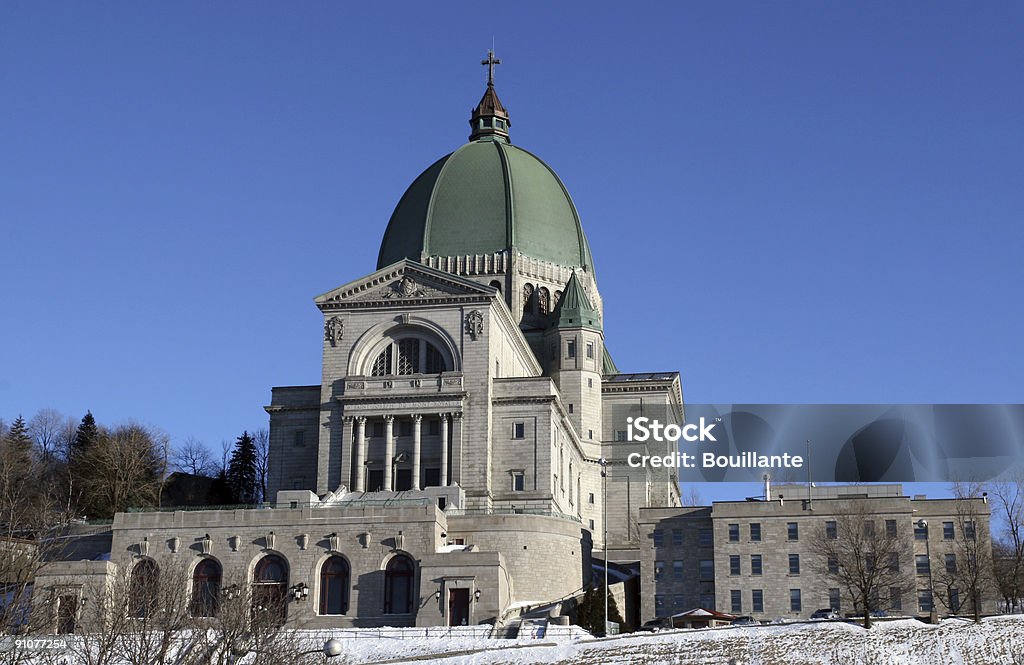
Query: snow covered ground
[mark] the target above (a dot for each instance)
(996, 641)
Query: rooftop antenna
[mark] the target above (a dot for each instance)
(809, 483)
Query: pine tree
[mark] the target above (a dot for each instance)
(242, 476)
(18, 435)
(86, 435)
(590, 610)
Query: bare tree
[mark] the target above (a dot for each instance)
(261, 438)
(967, 560)
(1008, 496)
(194, 458)
(49, 431)
(125, 468)
(863, 558)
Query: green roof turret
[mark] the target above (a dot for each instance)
(574, 310)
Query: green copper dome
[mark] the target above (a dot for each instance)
(486, 197)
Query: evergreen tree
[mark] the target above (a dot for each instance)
(220, 493)
(86, 435)
(18, 436)
(590, 610)
(242, 476)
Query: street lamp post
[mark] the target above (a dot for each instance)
(604, 528)
(923, 524)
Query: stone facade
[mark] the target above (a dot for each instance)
(759, 558)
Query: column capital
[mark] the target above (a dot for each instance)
(417, 417)
(361, 419)
(348, 419)
(457, 415)
(444, 416)
(389, 418)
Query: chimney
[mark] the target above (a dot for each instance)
(767, 478)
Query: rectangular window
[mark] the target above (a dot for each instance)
(404, 428)
(677, 570)
(923, 567)
(677, 536)
(755, 564)
(497, 369)
(432, 477)
(950, 563)
(755, 532)
(434, 427)
(757, 600)
(869, 528)
(707, 601)
(570, 407)
(518, 481)
(519, 430)
(833, 565)
(299, 436)
(795, 604)
(792, 531)
(736, 601)
(707, 570)
(591, 522)
(831, 531)
(895, 598)
(378, 428)
(947, 531)
(705, 538)
(590, 383)
(570, 349)
(794, 564)
(590, 434)
(734, 533)
(590, 349)
(970, 533)
(894, 562)
(659, 604)
(678, 601)
(590, 498)
(920, 532)
(890, 528)
(924, 600)
(734, 564)
(954, 600)
(659, 570)
(659, 537)
(620, 435)
(833, 599)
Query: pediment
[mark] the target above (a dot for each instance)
(405, 281)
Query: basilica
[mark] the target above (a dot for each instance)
(462, 455)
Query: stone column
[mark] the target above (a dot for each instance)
(389, 450)
(456, 473)
(359, 481)
(416, 420)
(347, 452)
(444, 450)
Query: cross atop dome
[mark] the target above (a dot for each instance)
(490, 119)
(490, 62)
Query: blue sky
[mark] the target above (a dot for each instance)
(787, 202)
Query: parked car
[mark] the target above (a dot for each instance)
(654, 625)
(745, 621)
(825, 613)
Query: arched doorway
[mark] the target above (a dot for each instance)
(270, 589)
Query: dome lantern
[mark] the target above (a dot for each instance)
(489, 120)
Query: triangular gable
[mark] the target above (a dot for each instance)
(404, 281)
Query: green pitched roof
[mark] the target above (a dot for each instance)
(574, 309)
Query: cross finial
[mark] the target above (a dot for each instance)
(490, 62)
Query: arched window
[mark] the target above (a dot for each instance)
(334, 582)
(144, 597)
(206, 588)
(496, 284)
(528, 300)
(409, 355)
(270, 589)
(558, 298)
(398, 585)
(544, 301)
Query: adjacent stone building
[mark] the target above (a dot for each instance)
(764, 557)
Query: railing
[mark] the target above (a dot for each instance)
(546, 512)
(355, 503)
